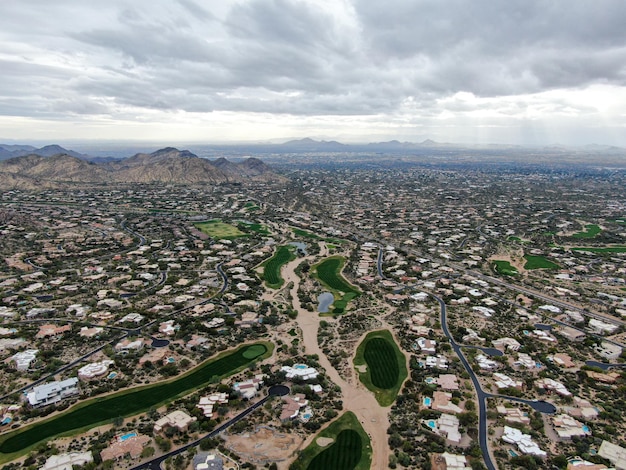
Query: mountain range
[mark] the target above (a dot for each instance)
(168, 165)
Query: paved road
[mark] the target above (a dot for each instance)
(538, 405)
(379, 263)
(155, 464)
(481, 395)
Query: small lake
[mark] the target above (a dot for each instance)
(325, 300)
(300, 246)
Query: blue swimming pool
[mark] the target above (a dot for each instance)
(427, 401)
(431, 424)
(124, 437)
(112, 375)
(300, 366)
(512, 453)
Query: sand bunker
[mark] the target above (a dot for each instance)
(324, 441)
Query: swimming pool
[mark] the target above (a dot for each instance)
(124, 437)
(6, 420)
(431, 424)
(300, 366)
(586, 429)
(429, 380)
(112, 375)
(171, 360)
(427, 401)
(512, 453)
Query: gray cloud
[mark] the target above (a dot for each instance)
(303, 58)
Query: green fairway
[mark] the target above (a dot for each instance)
(253, 227)
(329, 273)
(350, 450)
(605, 249)
(504, 267)
(271, 267)
(591, 231)
(306, 234)
(218, 229)
(343, 454)
(385, 366)
(539, 262)
(129, 402)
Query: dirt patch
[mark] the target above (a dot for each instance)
(264, 445)
(324, 441)
(362, 368)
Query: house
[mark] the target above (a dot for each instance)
(131, 446)
(448, 382)
(447, 426)
(248, 388)
(504, 381)
(95, 369)
(485, 363)
(608, 350)
(126, 345)
(449, 461)
(572, 334)
(176, 419)
(206, 461)
(24, 359)
(427, 346)
(52, 330)
(206, 404)
(524, 442)
(67, 461)
(292, 405)
(553, 385)
(301, 371)
(442, 401)
(567, 427)
(513, 415)
(506, 343)
(53, 392)
(614, 453)
(563, 360)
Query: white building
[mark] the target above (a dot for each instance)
(23, 359)
(67, 461)
(523, 442)
(299, 370)
(95, 369)
(53, 392)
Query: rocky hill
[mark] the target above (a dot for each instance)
(168, 165)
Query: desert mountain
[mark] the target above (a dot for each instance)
(167, 165)
(11, 151)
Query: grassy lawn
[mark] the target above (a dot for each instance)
(539, 262)
(271, 266)
(386, 366)
(504, 267)
(605, 249)
(218, 229)
(328, 272)
(350, 450)
(102, 410)
(591, 231)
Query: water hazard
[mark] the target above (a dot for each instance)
(325, 300)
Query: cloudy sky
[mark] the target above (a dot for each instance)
(474, 71)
